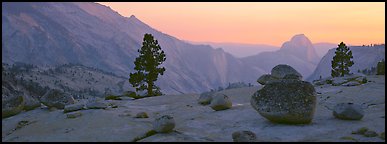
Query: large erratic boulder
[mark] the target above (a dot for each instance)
(287, 100)
(220, 102)
(56, 98)
(348, 111)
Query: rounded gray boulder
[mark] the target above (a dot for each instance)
(286, 101)
(220, 102)
(348, 111)
(57, 98)
(280, 71)
(164, 124)
(205, 98)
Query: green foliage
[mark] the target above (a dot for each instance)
(147, 134)
(146, 66)
(364, 80)
(380, 68)
(112, 97)
(329, 81)
(341, 61)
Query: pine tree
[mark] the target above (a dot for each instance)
(341, 61)
(146, 66)
(380, 67)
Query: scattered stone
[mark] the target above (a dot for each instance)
(244, 136)
(361, 130)
(57, 98)
(280, 71)
(351, 83)
(348, 111)
(370, 133)
(286, 101)
(30, 103)
(73, 107)
(21, 124)
(220, 102)
(265, 78)
(205, 98)
(164, 124)
(96, 105)
(74, 114)
(349, 138)
(141, 115)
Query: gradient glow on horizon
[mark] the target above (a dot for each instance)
(272, 23)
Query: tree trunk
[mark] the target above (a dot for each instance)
(150, 88)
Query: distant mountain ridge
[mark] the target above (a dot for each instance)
(52, 34)
(298, 52)
(364, 57)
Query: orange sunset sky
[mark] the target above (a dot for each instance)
(354, 23)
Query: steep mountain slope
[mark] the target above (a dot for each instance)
(298, 53)
(363, 58)
(322, 48)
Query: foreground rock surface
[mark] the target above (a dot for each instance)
(202, 124)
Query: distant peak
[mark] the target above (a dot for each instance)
(132, 16)
(299, 37)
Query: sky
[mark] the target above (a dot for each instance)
(271, 23)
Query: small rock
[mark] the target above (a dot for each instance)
(244, 136)
(220, 102)
(361, 130)
(74, 114)
(265, 78)
(280, 71)
(205, 98)
(11, 105)
(96, 105)
(141, 115)
(351, 83)
(73, 107)
(30, 103)
(348, 111)
(164, 124)
(370, 134)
